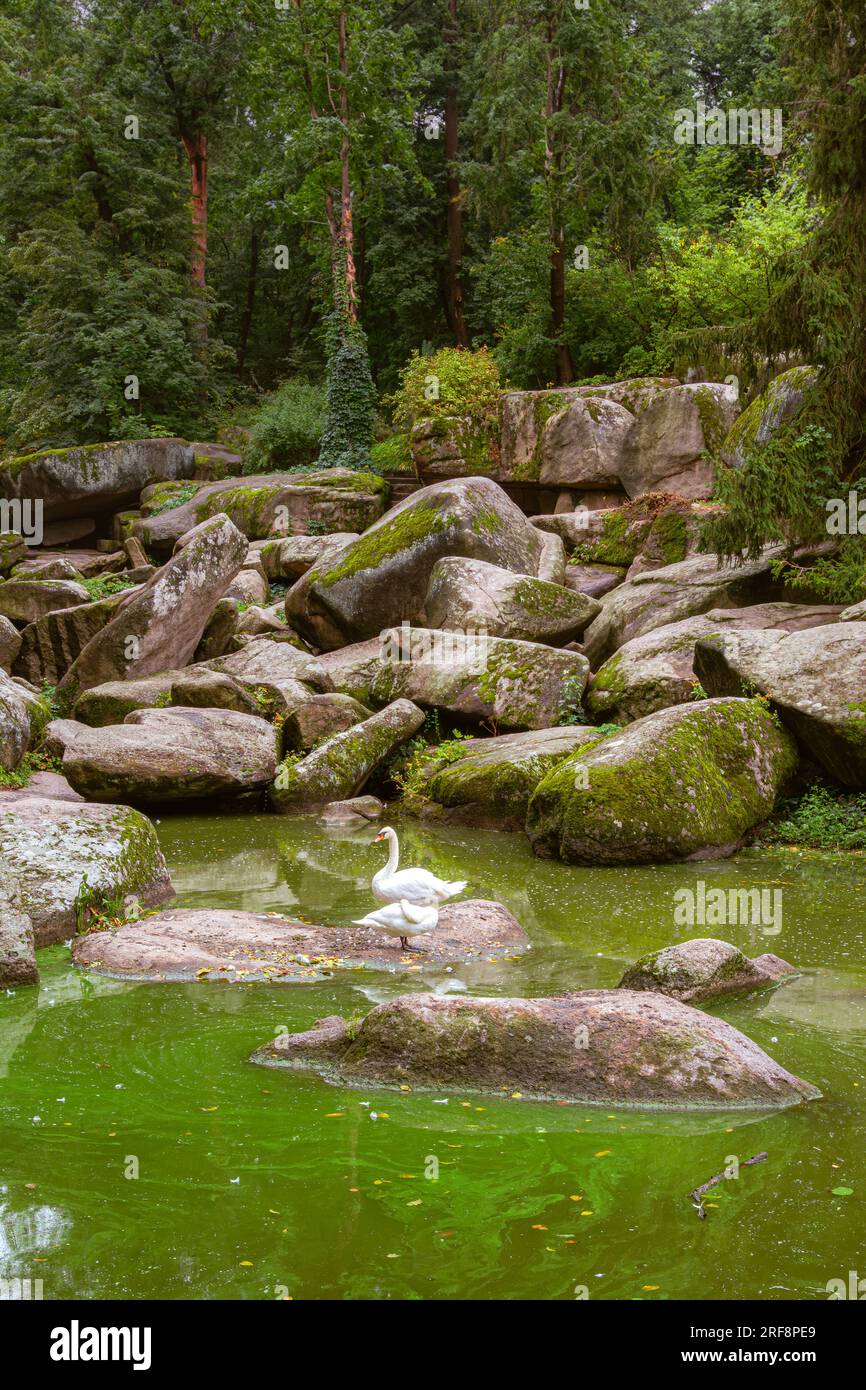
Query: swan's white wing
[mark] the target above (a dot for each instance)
(414, 914)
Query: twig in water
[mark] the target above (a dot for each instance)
(697, 1195)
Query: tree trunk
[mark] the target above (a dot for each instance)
(347, 235)
(455, 212)
(246, 320)
(196, 152)
(556, 75)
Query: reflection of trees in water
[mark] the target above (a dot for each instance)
(28, 1232)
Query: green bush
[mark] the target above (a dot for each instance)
(392, 455)
(822, 818)
(450, 382)
(287, 429)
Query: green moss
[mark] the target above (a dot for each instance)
(712, 420)
(671, 532)
(387, 538)
(393, 455)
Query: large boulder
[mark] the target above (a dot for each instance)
(25, 600)
(514, 685)
(94, 478)
(685, 783)
(474, 596)
(23, 716)
(490, 783)
(382, 578)
(660, 597)
(582, 444)
(221, 944)
(593, 580)
(611, 1047)
(667, 446)
(263, 662)
(17, 948)
(65, 856)
(267, 504)
(656, 670)
(338, 768)
(161, 624)
(13, 549)
(291, 556)
(703, 968)
(166, 755)
(51, 644)
(775, 406)
(10, 644)
(815, 679)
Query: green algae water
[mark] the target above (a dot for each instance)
(143, 1156)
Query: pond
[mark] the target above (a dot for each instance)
(144, 1156)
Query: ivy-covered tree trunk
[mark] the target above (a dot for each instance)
(556, 79)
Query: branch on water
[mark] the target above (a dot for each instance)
(697, 1195)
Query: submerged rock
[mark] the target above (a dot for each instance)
(474, 596)
(382, 578)
(603, 1047)
(816, 679)
(704, 968)
(338, 768)
(164, 755)
(63, 855)
(685, 783)
(358, 810)
(229, 945)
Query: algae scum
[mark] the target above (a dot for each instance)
(144, 1156)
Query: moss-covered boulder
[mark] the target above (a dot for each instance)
(658, 598)
(515, 685)
(582, 444)
(17, 948)
(453, 446)
(289, 557)
(382, 578)
(23, 716)
(168, 755)
(160, 625)
(10, 644)
(657, 670)
(667, 447)
(704, 968)
(309, 721)
(488, 781)
(474, 596)
(685, 783)
(13, 550)
(815, 679)
(25, 600)
(267, 504)
(338, 768)
(94, 478)
(611, 1047)
(50, 645)
(775, 406)
(65, 856)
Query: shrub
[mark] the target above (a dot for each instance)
(450, 382)
(822, 818)
(287, 429)
(392, 455)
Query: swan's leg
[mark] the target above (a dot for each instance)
(404, 943)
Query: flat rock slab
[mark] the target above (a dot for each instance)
(185, 944)
(601, 1047)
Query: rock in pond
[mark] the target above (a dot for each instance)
(338, 768)
(704, 968)
(490, 783)
(163, 755)
(63, 855)
(382, 577)
(161, 624)
(356, 811)
(684, 783)
(474, 596)
(17, 948)
(815, 679)
(601, 1047)
(215, 944)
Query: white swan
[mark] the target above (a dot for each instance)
(419, 886)
(401, 919)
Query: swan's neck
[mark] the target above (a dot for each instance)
(393, 855)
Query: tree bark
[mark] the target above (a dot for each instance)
(556, 76)
(247, 319)
(455, 211)
(347, 233)
(195, 146)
